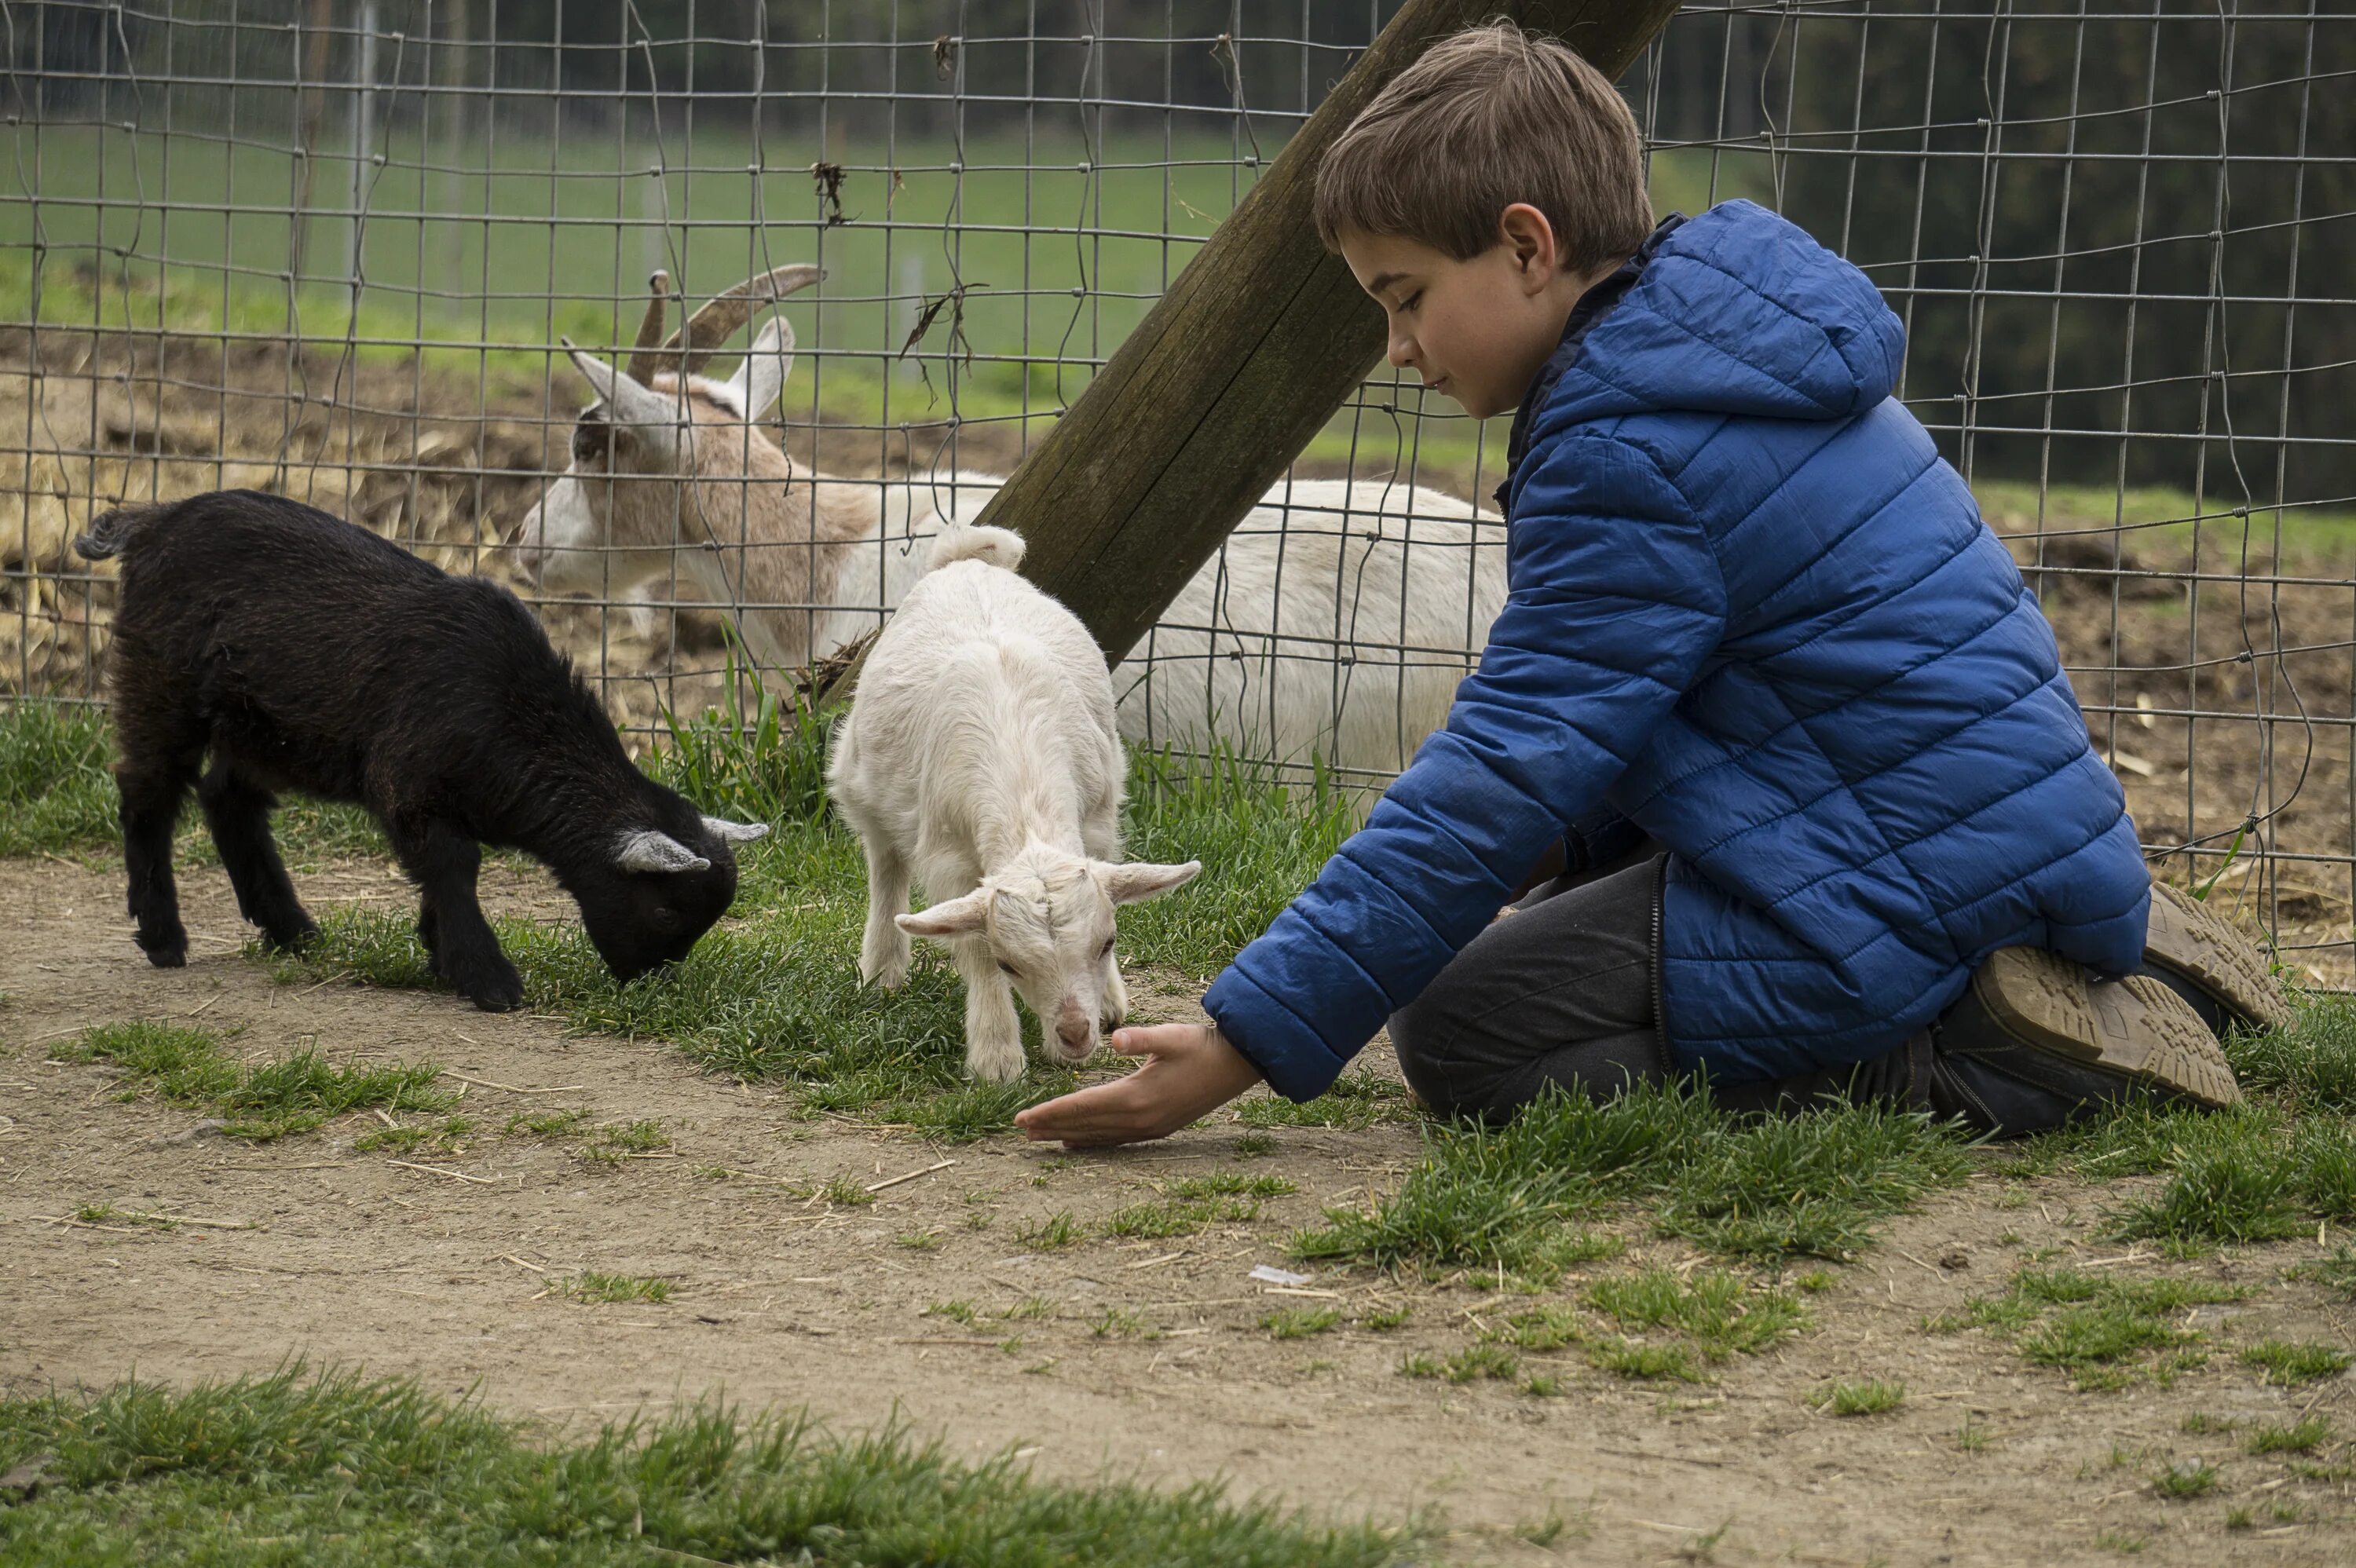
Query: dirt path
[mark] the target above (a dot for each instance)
(442, 1273)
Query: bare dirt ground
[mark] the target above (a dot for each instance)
(439, 1267)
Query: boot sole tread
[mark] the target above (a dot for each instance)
(2136, 1027)
(2194, 941)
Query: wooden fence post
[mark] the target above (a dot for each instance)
(1258, 341)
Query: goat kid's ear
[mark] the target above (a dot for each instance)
(645, 415)
(1138, 882)
(959, 917)
(761, 379)
(729, 832)
(651, 850)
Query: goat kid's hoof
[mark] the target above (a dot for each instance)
(168, 956)
(996, 1062)
(292, 938)
(494, 994)
(887, 973)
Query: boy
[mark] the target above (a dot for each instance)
(1829, 817)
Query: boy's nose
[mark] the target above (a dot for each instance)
(1402, 353)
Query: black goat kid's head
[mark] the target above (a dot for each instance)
(645, 906)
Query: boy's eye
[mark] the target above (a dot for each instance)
(1411, 301)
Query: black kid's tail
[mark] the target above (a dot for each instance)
(110, 531)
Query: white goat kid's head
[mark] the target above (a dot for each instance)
(1047, 919)
(626, 499)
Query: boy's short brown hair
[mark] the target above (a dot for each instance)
(1486, 119)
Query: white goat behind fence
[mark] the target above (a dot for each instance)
(1336, 623)
(980, 758)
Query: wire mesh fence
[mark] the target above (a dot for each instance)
(329, 248)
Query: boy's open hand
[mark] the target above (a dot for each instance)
(1189, 1071)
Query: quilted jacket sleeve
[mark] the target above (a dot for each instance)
(1616, 600)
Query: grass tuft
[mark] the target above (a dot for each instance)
(1301, 1322)
(2303, 1438)
(187, 1067)
(2182, 1483)
(613, 1287)
(2103, 1330)
(1873, 1396)
(1512, 1197)
(2286, 1364)
(338, 1470)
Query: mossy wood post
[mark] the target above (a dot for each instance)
(1258, 341)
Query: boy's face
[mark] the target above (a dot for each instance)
(1477, 330)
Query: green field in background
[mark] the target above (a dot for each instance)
(483, 271)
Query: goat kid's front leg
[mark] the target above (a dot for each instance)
(883, 951)
(444, 862)
(993, 1034)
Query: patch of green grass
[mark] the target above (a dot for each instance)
(1512, 1197)
(108, 1214)
(1120, 1323)
(1355, 1101)
(1301, 1322)
(1972, 1437)
(1253, 1145)
(1190, 1204)
(959, 1311)
(1717, 1312)
(548, 1123)
(1871, 1396)
(614, 1142)
(1475, 1362)
(1057, 1231)
(2287, 1363)
(1541, 1328)
(2303, 1438)
(1651, 1364)
(444, 1136)
(1028, 1308)
(335, 1470)
(2101, 1328)
(2182, 1483)
(844, 1192)
(593, 1287)
(919, 1240)
(56, 795)
(187, 1067)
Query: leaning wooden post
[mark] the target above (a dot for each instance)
(1258, 342)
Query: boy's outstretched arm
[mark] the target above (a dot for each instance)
(1616, 601)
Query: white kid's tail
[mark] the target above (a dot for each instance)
(965, 541)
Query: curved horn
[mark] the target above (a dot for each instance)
(643, 362)
(724, 315)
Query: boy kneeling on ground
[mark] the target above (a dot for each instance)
(1829, 818)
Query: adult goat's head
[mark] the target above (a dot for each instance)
(661, 434)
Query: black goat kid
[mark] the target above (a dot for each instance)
(306, 654)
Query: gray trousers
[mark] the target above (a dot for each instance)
(1560, 992)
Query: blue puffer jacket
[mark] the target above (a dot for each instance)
(1751, 612)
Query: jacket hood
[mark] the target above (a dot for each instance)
(1738, 312)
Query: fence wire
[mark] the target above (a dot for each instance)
(329, 248)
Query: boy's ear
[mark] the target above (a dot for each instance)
(1527, 234)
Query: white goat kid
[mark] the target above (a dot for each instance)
(980, 759)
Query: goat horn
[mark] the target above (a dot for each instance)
(643, 360)
(724, 315)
